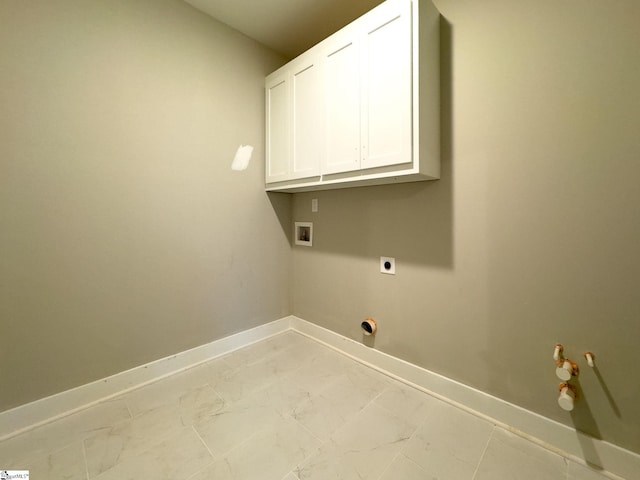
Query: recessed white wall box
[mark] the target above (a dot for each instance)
(303, 233)
(314, 205)
(388, 265)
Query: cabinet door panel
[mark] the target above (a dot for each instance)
(386, 86)
(342, 106)
(306, 119)
(278, 134)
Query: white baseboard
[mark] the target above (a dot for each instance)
(30, 415)
(542, 430)
(550, 434)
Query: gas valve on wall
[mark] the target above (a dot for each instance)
(565, 371)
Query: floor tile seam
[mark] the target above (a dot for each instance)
(126, 396)
(227, 403)
(126, 404)
(223, 360)
(337, 350)
(321, 444)
(375, 368)
(374, 402)
(265, 357)
(390, 463)
(302, 464)
(213, 457)
(19, 460)
(417, 428)
(53, 451)
(337, 381)
(484, 452)
(305, 428)
(350, 420)
(219, 397)
(354, 418)
(194, 474)
(154, 442)
(334, 380)
(276, 377)
(414, 462)
(230, 401)
(86, 461)
(263, 389)
(224, 400)
(226, 453)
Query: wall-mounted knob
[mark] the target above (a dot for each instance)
(566, 369)
(557, 352)
(567, 397)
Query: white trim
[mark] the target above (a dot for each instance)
(31, 415)
(542, 430)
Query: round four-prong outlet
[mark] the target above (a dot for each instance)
(388, 265)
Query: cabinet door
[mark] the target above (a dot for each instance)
(277, 131)
(342, 104)
(306, 117)
(386, 85)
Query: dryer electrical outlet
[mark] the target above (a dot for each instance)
(388, 265)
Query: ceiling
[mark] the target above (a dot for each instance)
(289, 27)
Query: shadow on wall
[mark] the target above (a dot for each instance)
(411, 221)
(584, 421)
(281, 203)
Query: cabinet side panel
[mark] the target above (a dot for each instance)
(426, 93)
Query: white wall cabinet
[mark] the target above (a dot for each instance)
(386, 86)
(294, 110)
(340, 59)
(361, 107)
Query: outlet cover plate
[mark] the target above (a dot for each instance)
(388, 265)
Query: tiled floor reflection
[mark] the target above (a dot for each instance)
(286, 408)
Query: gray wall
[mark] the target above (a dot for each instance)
(124, 235)
(532, 235)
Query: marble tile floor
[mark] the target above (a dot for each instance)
(286, 408)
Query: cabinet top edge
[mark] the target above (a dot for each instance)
(314, 50)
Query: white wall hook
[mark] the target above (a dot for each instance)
(590, 357)
(557, 352)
